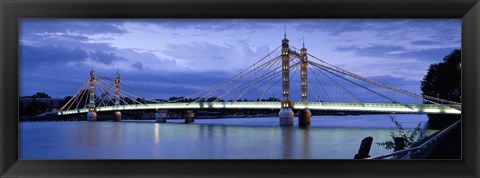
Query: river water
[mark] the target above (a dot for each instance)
(329, 137)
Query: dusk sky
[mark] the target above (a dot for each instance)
(159, 58)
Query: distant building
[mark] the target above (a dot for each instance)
(53, 103)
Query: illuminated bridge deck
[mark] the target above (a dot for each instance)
(323, 106)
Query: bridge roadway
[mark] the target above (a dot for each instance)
(326, 106)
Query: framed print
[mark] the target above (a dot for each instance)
(249, 88)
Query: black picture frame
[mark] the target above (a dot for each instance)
(11, 11)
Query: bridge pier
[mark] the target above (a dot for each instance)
(304, 118)
(286, 117)
(92, 116)
(117, 116)
(161, 116)
(189, 116)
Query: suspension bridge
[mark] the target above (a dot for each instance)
(104, 94)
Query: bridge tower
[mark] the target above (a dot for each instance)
(305, 115)
(286, 114)
(117, 114)
(92, 115)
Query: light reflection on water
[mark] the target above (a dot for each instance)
(329, 137)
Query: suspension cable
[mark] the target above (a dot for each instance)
(348, 94)
(243, 86)
(337, 89)
(77, 95)
(256, 80)
(275, 73)
(383, 85)
(227, 80)
(316, 78)
(133, 98)
(112, 88)
(106, 92)
(63, 107)
(269, 80)
(405, 92)
(81, 97)
(234, 87)
(366, 88)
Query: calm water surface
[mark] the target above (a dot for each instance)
(329, 137)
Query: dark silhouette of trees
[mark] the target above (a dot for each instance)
(177, 99)
(215, 98)
(33, 108)
(141, 101)
(128, 100)
(40, 95)
(269, 99)
(443, 80)
(65, 100)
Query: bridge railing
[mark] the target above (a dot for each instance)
(73, 111)
(379, 107)
(422, 149)
(373, 107)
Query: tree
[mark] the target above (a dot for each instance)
(34, 108)
(65, 100)
(40, 95)
(443, 79)
(273, 99)
(128, 100)
(215, 99)
(141, 100)
(212, 99)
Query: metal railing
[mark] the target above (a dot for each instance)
(334, 106)
(422, 148)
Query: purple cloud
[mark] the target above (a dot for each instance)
(105, 58)
(138, 65)
(50, 55)
(393, 51)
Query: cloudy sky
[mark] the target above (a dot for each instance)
(159, 58)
